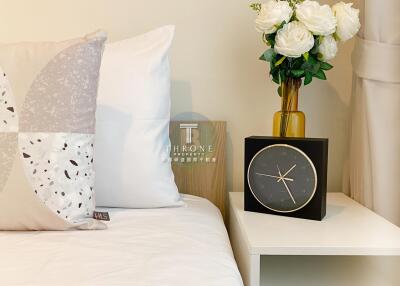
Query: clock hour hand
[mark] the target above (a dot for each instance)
(286, 186)
(276, 177)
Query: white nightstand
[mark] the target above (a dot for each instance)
(348, 229)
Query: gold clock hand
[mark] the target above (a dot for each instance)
(286, 186)
(276, 177)
(287, 172)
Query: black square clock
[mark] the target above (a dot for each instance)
(286, 176)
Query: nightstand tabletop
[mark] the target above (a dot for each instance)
(348, 229)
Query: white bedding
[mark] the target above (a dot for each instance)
(176, 246)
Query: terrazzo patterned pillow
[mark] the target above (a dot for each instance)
(47, 119)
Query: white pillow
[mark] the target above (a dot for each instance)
(132, 136)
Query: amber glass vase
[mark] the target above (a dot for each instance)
(289, 121)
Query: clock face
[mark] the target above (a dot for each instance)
(282, 178)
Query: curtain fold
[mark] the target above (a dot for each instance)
(374, 161)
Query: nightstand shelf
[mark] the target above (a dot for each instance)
(348, 229)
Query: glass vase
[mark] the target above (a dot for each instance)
(289, 121)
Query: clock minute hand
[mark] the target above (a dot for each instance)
(276, 177)
(286, 186)
(284, 175)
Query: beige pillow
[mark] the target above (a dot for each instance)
(47, 119)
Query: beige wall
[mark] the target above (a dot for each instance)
(216, 72)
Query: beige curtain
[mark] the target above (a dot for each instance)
(374, 161)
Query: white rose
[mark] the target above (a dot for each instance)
(293, 40)
(320, 20)
(272, 14)
(328, 48)
(348, 22)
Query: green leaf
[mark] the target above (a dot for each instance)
(312, 60)
(280, 61)
(282, 75)
(310, 67)
(268, 55)
(325, 66)
(314, 50)
(297, 73)
(279, 91)
(306, 56)
(296, 63)
(316, 67)
(272, 69)
(275, 76)
(320, 74)
(308, 78)
(269, 39)
(306, 66)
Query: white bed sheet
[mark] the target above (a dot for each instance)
(175, 246)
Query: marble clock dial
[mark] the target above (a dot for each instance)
(282, 178)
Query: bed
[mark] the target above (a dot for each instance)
(153, 237)
(186, 245)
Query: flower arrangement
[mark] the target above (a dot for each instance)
(303, 36)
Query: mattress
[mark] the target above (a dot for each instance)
(172, 246)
